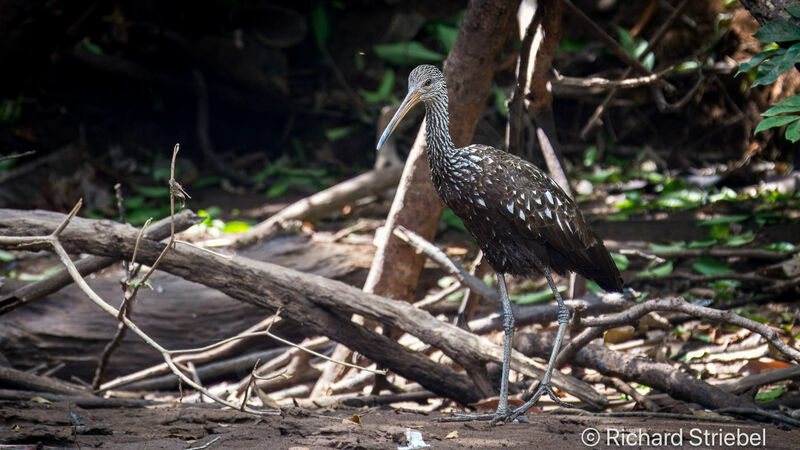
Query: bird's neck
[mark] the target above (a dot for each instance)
(437, 132)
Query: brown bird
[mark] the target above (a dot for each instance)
(521, 219)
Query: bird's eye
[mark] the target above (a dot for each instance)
(428, 82)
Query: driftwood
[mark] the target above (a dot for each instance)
(64, 328)
(318, 303)
(659, 376)
(13, 377)
(324, 202)
(39, 289)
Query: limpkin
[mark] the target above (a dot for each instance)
(521, 219)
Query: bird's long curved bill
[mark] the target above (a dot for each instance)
(409, 102)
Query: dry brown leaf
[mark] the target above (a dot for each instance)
(619, 334)
(452, 435)
(756, 366)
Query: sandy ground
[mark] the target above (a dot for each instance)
(28, 423)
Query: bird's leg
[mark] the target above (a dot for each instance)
(508, 328)
(544, 385)
(503, 414)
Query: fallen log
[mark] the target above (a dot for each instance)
(321, 304)
(34, 291)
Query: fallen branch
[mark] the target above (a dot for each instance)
(36, 290)
(370, 183)
(773, 376)
(421, 245)
(13, 377)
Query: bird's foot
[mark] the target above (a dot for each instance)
(544, 388)
(496, 418)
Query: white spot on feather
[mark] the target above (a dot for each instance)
(510, 208)
(538, 200)
(521, 215)
(481, 202)
(548, 212)
(549, 197)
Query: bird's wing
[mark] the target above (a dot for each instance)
(535, 204)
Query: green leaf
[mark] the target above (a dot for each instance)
(769, 395)
(791, 104)
(794, 10)
(385, 89)
(793, 132)
(334, 134)
(235, 226)
(91, 47)
(658, 271)
(687, 65)
(720, 231)
(590, 156)
(740, 239)
(780, 247)
(667, 248)
(758, 58)
(452, 220)
(409, 53)
(6, 257)
(535, 297)
(733, 218)
(500, 99)
(445, 34)
(603, 175)
(772, 122)
(320, 26)
(279, 188)
(621, 261)
(778, 30)
(568, 45)
(769, 71)
(710, 266)
(703, 243)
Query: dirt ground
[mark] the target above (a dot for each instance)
(29, 423)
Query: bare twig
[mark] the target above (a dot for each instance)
(17, 155)
(517, 99)
(608, 41)
(594, 119)
(124, 309)
(440, 258)
(678, 304)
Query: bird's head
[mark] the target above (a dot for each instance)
(425, 84)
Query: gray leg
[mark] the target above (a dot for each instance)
(544, 385)
(503, 413)
(508, 328)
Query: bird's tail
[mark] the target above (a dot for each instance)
(602, 269)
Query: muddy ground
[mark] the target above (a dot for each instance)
(30, 423)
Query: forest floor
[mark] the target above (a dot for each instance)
(187, 426)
